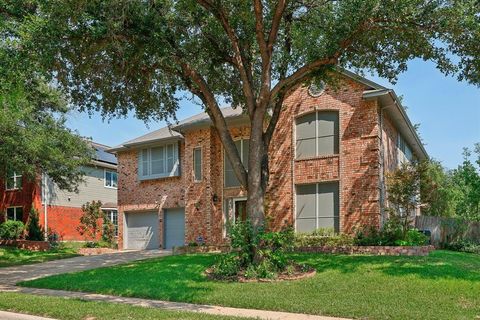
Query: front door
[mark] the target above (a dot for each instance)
(240, 210)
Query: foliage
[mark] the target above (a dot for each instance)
(33, 134)
(11, 230)
(90, 220)
(142, 56)
(469, 246)
(403, 194)
(391, 234)
(258, 254)
(108, 234)
(34, 231)
(317, 240)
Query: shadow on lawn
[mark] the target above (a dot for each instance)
(444, 265)
(174, 278)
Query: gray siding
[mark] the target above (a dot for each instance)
(92, 189)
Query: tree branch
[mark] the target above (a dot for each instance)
(238, 57)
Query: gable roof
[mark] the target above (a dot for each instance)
(102, 154)
(236, 115)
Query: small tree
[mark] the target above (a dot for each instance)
(108, 235)
(403, 193)
(89, 222)
(34, 231)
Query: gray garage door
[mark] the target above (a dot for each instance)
(174, 227)
(142, 230)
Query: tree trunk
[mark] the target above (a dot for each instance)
(257, 172)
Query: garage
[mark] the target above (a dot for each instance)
(174, 227)
(142, 230)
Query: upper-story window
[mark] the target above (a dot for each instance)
(159, 162)
(230, 177)
(111, 179)
(404, 152)
(317, 134)
(13, 181)
(197, 163)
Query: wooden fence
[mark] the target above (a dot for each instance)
(443, 228)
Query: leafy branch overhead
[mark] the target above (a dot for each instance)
(115, 56)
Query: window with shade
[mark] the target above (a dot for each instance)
(159, 162)
(230, 177)
(317, 134)
(197, 164)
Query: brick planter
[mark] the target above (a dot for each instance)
(95, 251)
(372, 250)
(27, 244)
(200, 249)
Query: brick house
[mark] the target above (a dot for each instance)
(63, 209)
(328, 159)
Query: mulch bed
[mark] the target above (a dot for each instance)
(298, 274)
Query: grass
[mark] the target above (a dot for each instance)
(14, 257)
(75, 309)
(444, 285)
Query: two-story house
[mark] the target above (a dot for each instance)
(60, 210)
(328, 158)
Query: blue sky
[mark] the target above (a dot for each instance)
(448, 112)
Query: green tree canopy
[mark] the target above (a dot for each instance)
(114, 56)
(33, 135)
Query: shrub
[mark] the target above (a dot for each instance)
(413, 238)
(11, 230)
(469, 246)
(108, 234)
(391, 234)
(89, 221)
(34, 231)
(313, 240)
(258, 254)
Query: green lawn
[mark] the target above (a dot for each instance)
(74, 309)
(13, 256)
(444, 285)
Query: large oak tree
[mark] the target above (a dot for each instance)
(115, 56)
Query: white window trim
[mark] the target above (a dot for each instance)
(15, 187)
(109, 211)
(225, 158)
(175, 172)
(201, 164)
(105, 178)
(15, 213)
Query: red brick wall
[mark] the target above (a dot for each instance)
(63, 221)
(356, 167)
(29, 195)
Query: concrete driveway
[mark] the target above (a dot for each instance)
(11, 275)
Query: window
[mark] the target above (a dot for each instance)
(404, 152)
(159, 162)
(111, 179)
(13, 181)
(112, 216)
(197, 163)
(230, 178)
(15, 213)
(317, 206)
(317, 134)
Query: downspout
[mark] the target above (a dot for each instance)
(45, 205)
(382, 170)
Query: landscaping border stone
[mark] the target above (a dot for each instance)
(200, 249)
(372, 250)
(95, 251)
(27, 244)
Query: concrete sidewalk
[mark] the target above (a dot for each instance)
(172, 306)
(19, 316)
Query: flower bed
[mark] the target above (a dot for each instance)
(371, 250)
(27, 244)
(95, 251)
